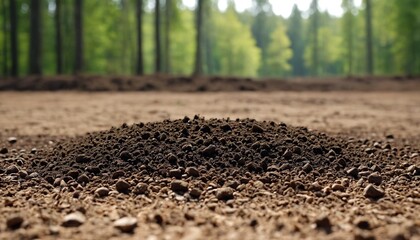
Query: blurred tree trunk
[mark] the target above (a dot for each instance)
(158, 48)
(369, 37)
(78, 20)
(315, 28)
(35, 42)
(348, 6)
(58, 41)
(295, 34)
(14, 44)
(198, 70)
(5, 45)
(168, 16)
(139, 17)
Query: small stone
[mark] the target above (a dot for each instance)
(83, 179)
(323, 223)
(176, 173)
(4, 151)
(338, 187)
(375, 178)
(12, 169)
(192, 172)
(172, 159)
(23, 174)
(287, 154)
(209, 151)
(257, 129)
(307, 168)
(125, 155)
(141, 188)
(370, 150)
(354, 172)
(76, 194)
(362, 224)
(224, 194)
(317, 150)
(74, 220)
(82, 159)
(126, 224)
(12, 140)
(14, 222)
(226, 128)
(195, 193)
(331, 153)
(122, 186)
(372, 192)
(118, 174)
(179, 186)
(102, 192)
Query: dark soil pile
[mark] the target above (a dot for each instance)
(207, 150)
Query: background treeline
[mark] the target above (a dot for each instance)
(126, 37)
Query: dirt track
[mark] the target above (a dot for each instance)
(257, 211)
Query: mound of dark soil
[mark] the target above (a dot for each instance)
(199, 149)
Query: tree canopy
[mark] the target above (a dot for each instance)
(102, 37)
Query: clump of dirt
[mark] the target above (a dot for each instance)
(206, 150)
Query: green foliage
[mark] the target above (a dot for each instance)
(235, 49)
(183, 44)
(251, 43)
(295, 32)
(279, 53)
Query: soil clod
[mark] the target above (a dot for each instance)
(373, 192)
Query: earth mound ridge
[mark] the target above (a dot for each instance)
(213, 149)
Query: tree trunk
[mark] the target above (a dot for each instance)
(5, 45)
(198, 70)
(14, 44)
(58, 41)
(35, 44)
(369, 45)
(158, 48)
(140, 64)
(168, 16)
(315, 56)
(78, 20)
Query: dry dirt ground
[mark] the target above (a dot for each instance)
(379, 133)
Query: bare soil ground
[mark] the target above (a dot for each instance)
(350, 172)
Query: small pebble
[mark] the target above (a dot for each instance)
(12, 169)
(141, 188)
(192, 172)
(257, 129)
(12, 140)
(122, 186)
(195, 193)
(375, 178)
(14, 222)
(323, 223)
(373, 192)
(179, 186)
(74, 220)
(4, 151)
(102, 192)
(126, 224)
(338, 187)
(224, 194)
